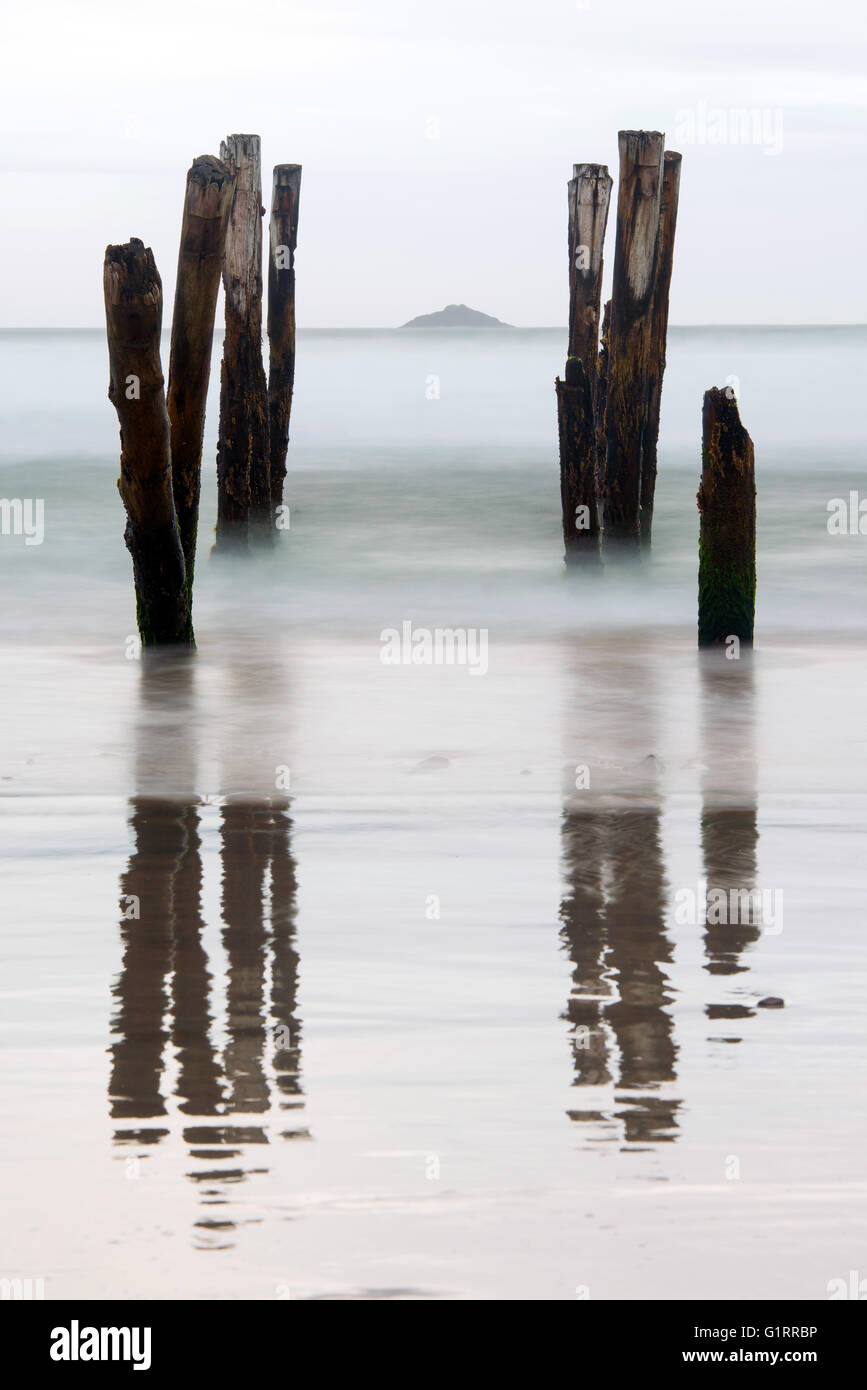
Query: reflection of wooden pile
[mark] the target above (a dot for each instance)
(608, 402)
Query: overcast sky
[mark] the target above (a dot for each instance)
(436, 138)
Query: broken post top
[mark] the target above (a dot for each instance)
(641, 170)
(589, 196)
(207, 200)
(242, 155)
(668, 197)
(247, 142)
(242, 261)
(130, 279)
(635, 137)
(722, 424)
(206, 169)
(575, 373)
(671, 164)
(595, 179)
(131, 268)
(589, 193)
(206, 179)
(285, 194)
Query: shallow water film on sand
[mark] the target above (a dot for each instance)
(447, 926)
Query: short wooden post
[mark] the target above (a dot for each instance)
(207, 204)
(243, 453)
(641, 154)
(285, 198)
(659, 333)
(133, 316)
(727, 539)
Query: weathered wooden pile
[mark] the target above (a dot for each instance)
(162, 431)
(727, 535)
(608, 400)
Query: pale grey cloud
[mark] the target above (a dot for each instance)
(437, 139)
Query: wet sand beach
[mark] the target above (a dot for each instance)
(324, 978)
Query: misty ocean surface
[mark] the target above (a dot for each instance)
(324, 978)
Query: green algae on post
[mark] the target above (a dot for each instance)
(727, 537)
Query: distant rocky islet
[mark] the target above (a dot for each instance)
(455, 316)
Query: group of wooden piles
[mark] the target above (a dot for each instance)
(608, 401)
(162, 430)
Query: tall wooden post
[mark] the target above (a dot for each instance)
(285, 198)
(641, 154)
(133, 318)
(589, 192)
(243, 453)
(659, 332)
(727, 538)
(589, 199)
(207, 204)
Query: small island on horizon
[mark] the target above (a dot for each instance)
(455, 316)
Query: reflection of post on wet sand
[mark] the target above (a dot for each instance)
(200, 1084)
(255, 846)
(582, 914)
(256, 858)
(244, 853)
(729, 818)
(163, 990)
(613, 916)
(613, 913)
(284, 961)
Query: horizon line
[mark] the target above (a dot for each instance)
(397, 328)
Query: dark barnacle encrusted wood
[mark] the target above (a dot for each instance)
(727, 538)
